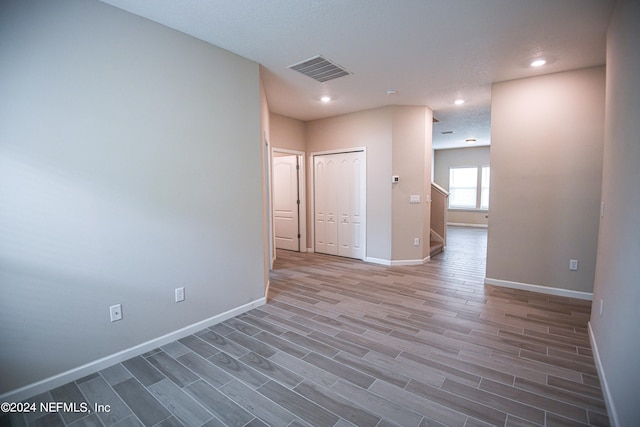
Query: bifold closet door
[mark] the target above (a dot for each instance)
(339, 204)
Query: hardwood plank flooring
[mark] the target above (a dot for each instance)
(343, 343)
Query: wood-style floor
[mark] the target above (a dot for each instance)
(342, 342)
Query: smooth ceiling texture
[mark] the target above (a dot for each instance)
(431, 51)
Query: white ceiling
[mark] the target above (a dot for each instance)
(431, 51)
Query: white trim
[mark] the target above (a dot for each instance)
(302, 188)
(440, 189)
(540, 289)
(390, 263)
(611, 408)
(312, 212)
(470, 210)
(461, 224)
(338, 151)
(312, 202)
(97, 365)
(410, 261)
(379, 261)
(267, 201)
(287, 151)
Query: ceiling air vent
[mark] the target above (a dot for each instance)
(447, 132)
(320, 69)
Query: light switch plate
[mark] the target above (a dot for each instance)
(179, 293)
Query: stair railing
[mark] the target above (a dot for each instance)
(439, 209)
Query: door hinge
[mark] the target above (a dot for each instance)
(298, 236)
(298, 201)
(297, 167)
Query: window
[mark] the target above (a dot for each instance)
(463, 188)
(463, 184)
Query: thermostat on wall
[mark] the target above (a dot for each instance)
(395, 179)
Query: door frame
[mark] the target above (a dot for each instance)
(312, 188)
(302, 210)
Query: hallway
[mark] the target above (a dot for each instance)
(466, 251)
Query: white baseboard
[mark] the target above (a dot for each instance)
(611, 409)
(540, 289)
(410, 261)
(390, 263)
(379, 261)
(462, 224)
(97, 365)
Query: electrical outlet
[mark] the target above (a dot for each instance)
(416, 241)
(573, 264)
(115, 312)
(179, 294)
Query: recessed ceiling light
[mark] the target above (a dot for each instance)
(325, 99)
(459, 101)
(391, 91)
(538, 63)
(470, 140)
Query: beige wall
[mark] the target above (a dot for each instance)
(123, 148)
(426, 179)
(617, 280)
(546, 155)
(460, 157)
(371, 129)
(411, 161)
(398, 142)
(287, 133)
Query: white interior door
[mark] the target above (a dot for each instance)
(286, 202)
(339, 203)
